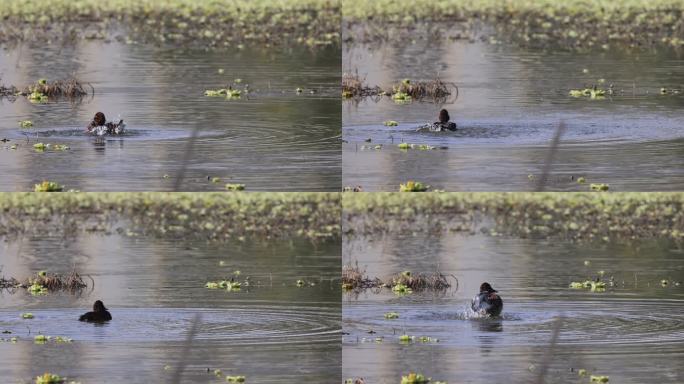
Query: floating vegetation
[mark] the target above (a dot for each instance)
(391, 315)
(594, 286)
(592, 93)
(599, 187)
(581, 180)
(414, 378)
(310, 23)
(420, 147)
(50, 378)
(436, 89)
(353, 278)
(235, 379)
(229, 285)
(174, 215)
(390, 123)
(42, 147)
(401, 289)
(41, 339)
(26, 124)
(354, 86)
(27, 315)
(598, 379)
(544, 23)
(229, 93)
(235, 187)
(48, 186)
(42, 89)
(406, 338)
(413, 186)
(44, 282)
(579, 216)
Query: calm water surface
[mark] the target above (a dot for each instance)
(633, 332)
(272, 139)
(271, 331)
(509, 106)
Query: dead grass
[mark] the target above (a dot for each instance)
(50, 281)
(354, 278)
(59, 88)
(354, 86)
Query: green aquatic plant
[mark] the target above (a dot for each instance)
(217, 372)
(582, 372)
(401, 97)
(215, 179)
(235, 379)
(42, 273)
(41, 339)
(40, 147)
(212, 285)
(427, 339)
(598, 379)
(404, 146)
(27, 315)
(413, 186)
(37, 289)
(414, 378)
(49, 378)
(581, 180)
(300, 283)
(406, 338)
(391, 315)
(599, 187)
(299, 90)
(62, 339)
(48, 186)
(37, 97)
(25, 123)
(401, 289)
(576, 285)
(235, 187)
(664, 282)
(390, 123)
(61, 147)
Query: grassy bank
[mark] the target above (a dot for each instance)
(207, 23)
(576, 24)
(575, 216)
(211, 216)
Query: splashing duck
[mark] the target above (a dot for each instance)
(487, 301)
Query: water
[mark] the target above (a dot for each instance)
(633, 332)
(271, 331)
(509, 105)
(270, 139)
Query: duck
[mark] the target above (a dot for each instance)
(487, 301)
(99, 313)
(100, 127)
(444, 124)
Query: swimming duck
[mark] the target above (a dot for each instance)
(487, 301)
(100, 127)
(99, 313)
(443, 124)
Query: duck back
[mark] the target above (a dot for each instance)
(95, 316)
(487, 302)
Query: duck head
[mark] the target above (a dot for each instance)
(100, 120)
(443, 116)
(485, 287)
(99, 306)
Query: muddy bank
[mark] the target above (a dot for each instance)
(575, 26)
(215, 24)
(571, 216)
(211, 216)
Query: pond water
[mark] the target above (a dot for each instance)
(510, 103)
(632, 332)
(270, 332)
(270, 139)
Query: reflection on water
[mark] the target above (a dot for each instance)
(271, 139)
(600, 332)
(509, 105)
(271, 331)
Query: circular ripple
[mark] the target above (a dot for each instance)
(583, 323)
(238, 325)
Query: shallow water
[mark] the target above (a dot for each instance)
(270, 139)
(633, 332)
(271, 331)
(510, 103)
